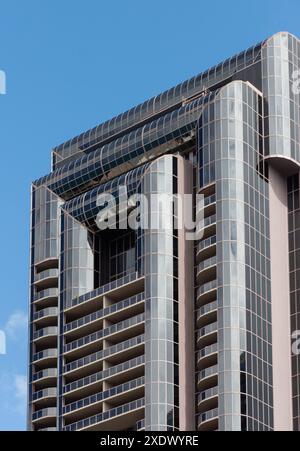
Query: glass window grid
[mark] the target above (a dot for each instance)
(253, 300)
(160, 257)
(255, 209)
(168, 99)
(122, 256)
(294, 258)
(280, 59)
(93, 166)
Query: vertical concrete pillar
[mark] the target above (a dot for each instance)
(282, 375)
(186, 310)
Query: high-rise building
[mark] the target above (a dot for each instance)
(145, 329)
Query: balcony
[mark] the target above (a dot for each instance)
(46, 279)
(45, 378)
(46, 317)
(127, 349)
(209, 205)
(46, 336)
(208, 356)
(117, 290)
(90, 405)
(119, 418)
(207, 378)
(208, 421)
(140, 425)
(208, 190)
(207, 293)
(45, 359)
(207, 335)
(207, 270)
(116, 332)
(47, 298)
(118, 374)
(207, 314)
(45, 397)
(206, 248)
(207, 227)
(44, 265)
(45, 416)
(208, 399)
(115, 312)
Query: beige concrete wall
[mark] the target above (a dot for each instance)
(280, 287)
(186, 312)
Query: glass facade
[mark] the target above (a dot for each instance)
(160, 254)
(110, 319)
(280, 68)
(294, 257)
(229, 154)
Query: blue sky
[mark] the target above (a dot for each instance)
(71, 65)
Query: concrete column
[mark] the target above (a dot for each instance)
(280, 286)
(186, 311)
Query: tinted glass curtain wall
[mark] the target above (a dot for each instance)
(136, 329)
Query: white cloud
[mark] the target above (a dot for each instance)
(16, 325)
(2, 342)
(20, 385)
(13, 401)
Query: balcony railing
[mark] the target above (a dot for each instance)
(46, 332)
(46, 393)
(103, 289)
(44, 413)
(210, 415)
(207, 394)
(209, 286)
(117, 411)
(205, 264)
(45, 354)
(104, 312)
(46, 312)
(104, 333)
(208, 200)
(208, 350)
(101, 396)
(140, 425)
(44, 294)
(96, 356)
(206, 330)
(47, 274)
(204, 244)
(208, 372)
(47, 373)
(101, 375)
(206, 309)
(207, 222)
